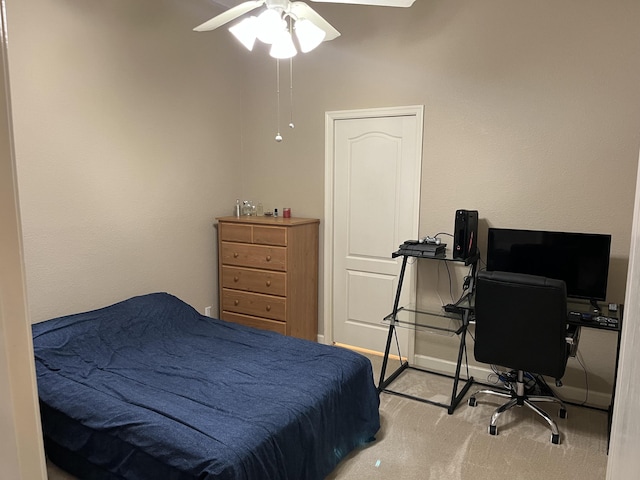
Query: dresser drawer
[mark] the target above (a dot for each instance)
(230, 232)
(258, 256)
(270, 235)
(264, 235)
(255, 304)
(256, 322)
(260, 281)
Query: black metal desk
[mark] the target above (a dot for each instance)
(438, 321)
(615, 328)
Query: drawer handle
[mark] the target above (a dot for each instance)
(268, 308)
(235, 254)
(268, 258)
(236, 302)
(268, 283)
(235, 279)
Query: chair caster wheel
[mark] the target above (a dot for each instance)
(493, 430)
(562, 413)
(555, 438)
(472, 401)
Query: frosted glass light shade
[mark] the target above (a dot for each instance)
(269, 25)
(283, 46)
(246, 31)
(309, 35)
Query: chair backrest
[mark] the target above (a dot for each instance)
(521, 322)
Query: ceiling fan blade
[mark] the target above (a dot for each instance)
(379, 3)
(302, 10)
(229, 15)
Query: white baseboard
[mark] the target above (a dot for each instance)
(566, 393)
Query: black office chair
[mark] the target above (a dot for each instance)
(521, 324)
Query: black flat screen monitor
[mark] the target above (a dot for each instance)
(580, 259)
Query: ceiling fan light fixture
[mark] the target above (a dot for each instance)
(309, 34)
(283, 46)
(246, 31)
(269, 25)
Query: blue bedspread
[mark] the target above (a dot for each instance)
(150, 389)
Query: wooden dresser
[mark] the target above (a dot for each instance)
(268, 273)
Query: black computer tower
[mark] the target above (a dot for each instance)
(465, 234)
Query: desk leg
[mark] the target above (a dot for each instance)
(455, 396)
(403, 364)
(381, 384)
(392, 331)
(615, 380)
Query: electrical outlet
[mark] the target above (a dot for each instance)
(207, 311)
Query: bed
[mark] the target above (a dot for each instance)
(149, 389)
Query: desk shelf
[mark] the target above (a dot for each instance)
(437, 322)
(432, 321)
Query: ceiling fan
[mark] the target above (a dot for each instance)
(280, 19)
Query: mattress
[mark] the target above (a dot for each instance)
(149, 389)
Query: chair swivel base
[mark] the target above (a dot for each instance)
(520, 400)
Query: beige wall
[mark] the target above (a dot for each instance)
(532, 116)
(21, 448)
(127, 128)
(133, 133)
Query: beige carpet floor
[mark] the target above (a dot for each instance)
(418, 441)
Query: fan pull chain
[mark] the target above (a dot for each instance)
(291, 125)
(278, 136)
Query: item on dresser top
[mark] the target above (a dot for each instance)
(246, 208)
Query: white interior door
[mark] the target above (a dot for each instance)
(374, 162)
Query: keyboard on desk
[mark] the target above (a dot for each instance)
(593, 318)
